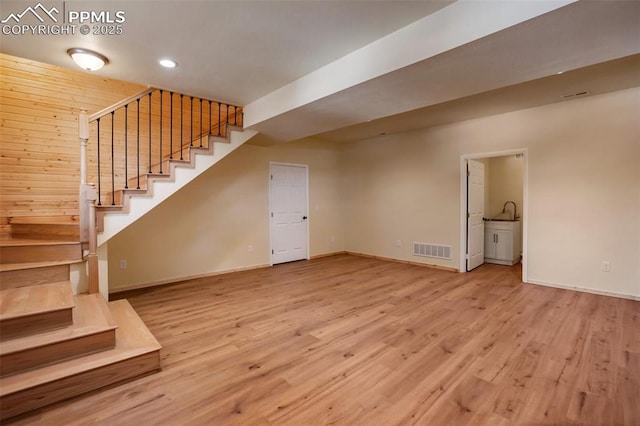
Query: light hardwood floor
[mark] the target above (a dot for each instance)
(349, 340)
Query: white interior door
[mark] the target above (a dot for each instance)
(475, 214)
(289, 230)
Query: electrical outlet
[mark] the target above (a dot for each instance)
(398, 243)
(123, 264)
(250, 248)
(606, 266)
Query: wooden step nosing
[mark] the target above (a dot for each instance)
(28, 220)
(19, 266)
(57, 351)
(21, 315)
(93, 364)
(84, 331)
(61, 289)
(22, 326)
(23, 400)
(52, 223)
(26, 242)
(133, 191)
(110, 207)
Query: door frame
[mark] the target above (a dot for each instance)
(525, 203)
(306, 172)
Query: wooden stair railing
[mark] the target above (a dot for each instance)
(138, 137)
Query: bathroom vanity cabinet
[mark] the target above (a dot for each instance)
(502, 242)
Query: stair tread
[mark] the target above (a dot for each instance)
(112, 207)
(90, 315)
(26, 301)
(47, 223)
(52, 220)
(33, 265)
(132, 339)
(135, 333)
(16, 242)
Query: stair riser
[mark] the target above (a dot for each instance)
(119, 203)
(40, 253)
(22, 326)
(120, 195)
(144, 181)
(35, 276)
(199, 145)
(42, 355)
(30, 399)
(36, 231)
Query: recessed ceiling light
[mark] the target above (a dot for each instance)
(87, 59)
(168, 63)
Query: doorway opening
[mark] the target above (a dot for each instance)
(493, 209)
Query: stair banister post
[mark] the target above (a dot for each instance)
(92, 258)
(83, 133)
(87, 206)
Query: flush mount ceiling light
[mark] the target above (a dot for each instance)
(168, 63)
(87, 59)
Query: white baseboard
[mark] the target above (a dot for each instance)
(407, 262)
(582, 289)
(333, 253)
(181, 279)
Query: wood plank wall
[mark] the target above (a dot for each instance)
(39, 148)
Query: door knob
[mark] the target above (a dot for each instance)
(304, 218)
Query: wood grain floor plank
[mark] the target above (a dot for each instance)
(347, 340)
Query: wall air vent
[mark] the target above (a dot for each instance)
(575, 95)
(432, 250)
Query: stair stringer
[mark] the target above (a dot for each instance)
(138, 206)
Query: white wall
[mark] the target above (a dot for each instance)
(207, 226)
(584, 189)
(584, 198)
(504, 183)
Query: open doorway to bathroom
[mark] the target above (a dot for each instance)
(493, 219)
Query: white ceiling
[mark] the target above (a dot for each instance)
(571, 37)
(597, 79)
(244, 51)
(236, 51)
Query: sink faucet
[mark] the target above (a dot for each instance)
(515, 210)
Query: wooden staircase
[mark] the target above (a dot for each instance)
(54, 345)
(121, 208)
(120, 200)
